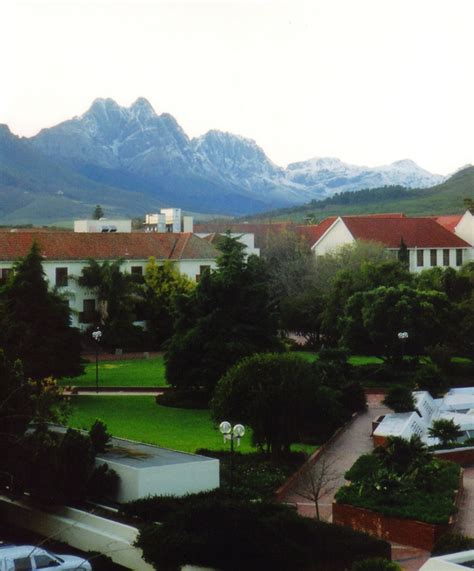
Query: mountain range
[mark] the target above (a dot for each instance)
(132, 160)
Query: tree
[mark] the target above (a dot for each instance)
(163, 283)
(227, 317)
(400, 399)
(373, 319)
(98, 212)
(279, 397)
(302, 314)
(35, 323)
(403, 254)
(317, 481)
(117, 294)
(290, 264)
(445, 430)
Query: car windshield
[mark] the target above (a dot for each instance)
(56, 556)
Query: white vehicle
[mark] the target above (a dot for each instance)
(30, 558)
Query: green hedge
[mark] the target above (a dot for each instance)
(232, 535)
(428, 495)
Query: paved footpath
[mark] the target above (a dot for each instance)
(340, 455)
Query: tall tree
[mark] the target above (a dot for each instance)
(227, 317)
(35, 323)
(163, 283)
(117, 294)
(98, 212)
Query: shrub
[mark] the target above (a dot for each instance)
(400, 399)
(353, 397)
(229, 534)
(377, 564)
(430, 378)
(452, 543)
(100, 438)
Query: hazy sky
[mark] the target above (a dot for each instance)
(368, 81)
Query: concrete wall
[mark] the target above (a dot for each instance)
(173, 479)
(79, 529)
(121, 225)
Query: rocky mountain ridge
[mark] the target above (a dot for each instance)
(135, 150)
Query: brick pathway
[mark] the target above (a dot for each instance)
(340, 455)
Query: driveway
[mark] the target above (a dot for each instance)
(340, 455)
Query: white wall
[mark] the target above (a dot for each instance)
(467, 253)
(465, 228)
(338, 235)
(79, 529)
(97, 225)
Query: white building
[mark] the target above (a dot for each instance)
(103, 225)
(67, 253)
(168, 220)
(445, 241)
(456, 405)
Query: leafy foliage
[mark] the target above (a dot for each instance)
(445, 430)
(279, 396)
(163, 283)
(35, 323)
(452, 543)
(404, 481)
(400, 399)
(377, 564)
(228, 316)
(230, 534)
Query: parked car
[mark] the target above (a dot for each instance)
(30, 558)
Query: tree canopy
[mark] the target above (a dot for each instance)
(35, 323)
(228, 316)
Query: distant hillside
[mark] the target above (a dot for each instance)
(445, 198)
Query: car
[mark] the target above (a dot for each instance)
(30, 558)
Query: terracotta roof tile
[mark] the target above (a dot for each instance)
(449, 222)
(416, 232)
(81, 246)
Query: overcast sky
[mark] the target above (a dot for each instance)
(368, 81)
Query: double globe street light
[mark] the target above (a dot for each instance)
(232, 433)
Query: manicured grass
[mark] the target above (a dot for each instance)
(140, 418)
(353, 359)
(132, 372)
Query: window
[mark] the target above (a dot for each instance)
(61, 277)
(433, 258)
(445, 257)
(23, 564)
(45, 562)
(88, 313)
(458, 257)
(4, 275)
(419, 257)
(137, 274)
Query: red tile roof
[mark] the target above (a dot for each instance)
(313, 232)
(81, 246)
(449, 222)
(416, 232)
(261, 230)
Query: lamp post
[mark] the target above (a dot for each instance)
(232, 433)
(403, 336)
(97, 335)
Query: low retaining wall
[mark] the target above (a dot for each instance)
(397, 530)
(462, 456)
(79, 529)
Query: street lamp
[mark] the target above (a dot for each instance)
(403, 336)
(232, 433)
(97, 335)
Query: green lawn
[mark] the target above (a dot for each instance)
(132, 372)
(140, 418)
(353, 359)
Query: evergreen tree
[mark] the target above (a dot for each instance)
(98, 212)
(227, 317)
(35, 323)
(403, 254)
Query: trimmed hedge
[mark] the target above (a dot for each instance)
(231, 535)
(427, 496)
